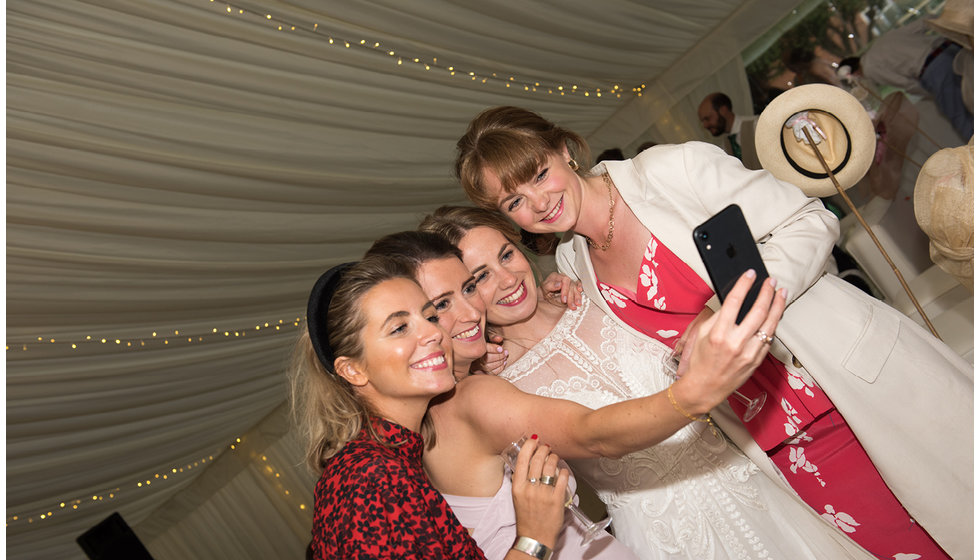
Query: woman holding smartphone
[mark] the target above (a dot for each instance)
(632, 250)
(372, 359)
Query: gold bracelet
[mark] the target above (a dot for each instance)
(670, 395)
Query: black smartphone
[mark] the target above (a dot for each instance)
(728, 249)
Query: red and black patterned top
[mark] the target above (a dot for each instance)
(374, 501)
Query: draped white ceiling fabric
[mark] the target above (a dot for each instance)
(179, 172)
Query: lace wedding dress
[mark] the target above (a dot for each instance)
(691, 496)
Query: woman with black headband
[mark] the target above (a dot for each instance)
(371, 360)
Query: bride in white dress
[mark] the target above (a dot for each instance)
(694, 495)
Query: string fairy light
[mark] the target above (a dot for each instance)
(167, 475)
(530, 86)
(155, 339)
(271, 471)
(81, 503)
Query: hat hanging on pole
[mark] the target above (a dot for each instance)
(819, 138)
(846, 138)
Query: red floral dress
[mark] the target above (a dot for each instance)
(798, 427)
(374, 501)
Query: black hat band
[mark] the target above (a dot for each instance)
(813, 174)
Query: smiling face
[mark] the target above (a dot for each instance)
(549, 203)
(453, 292)
(503, 276)
(407, 357)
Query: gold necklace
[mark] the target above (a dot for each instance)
(612, 222)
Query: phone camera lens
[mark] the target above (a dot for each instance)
(704, 235)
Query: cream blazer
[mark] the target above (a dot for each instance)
(906, 395)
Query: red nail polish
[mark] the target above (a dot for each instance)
(534, 436)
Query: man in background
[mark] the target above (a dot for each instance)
(717, 117)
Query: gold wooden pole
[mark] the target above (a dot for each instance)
(874, 237)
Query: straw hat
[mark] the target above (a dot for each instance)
(943, 203)
(956, 22)
(848, 145)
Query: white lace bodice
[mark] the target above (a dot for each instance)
(691, 496)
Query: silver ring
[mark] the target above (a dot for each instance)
(763, 336)
(532, 480)
(549, 480)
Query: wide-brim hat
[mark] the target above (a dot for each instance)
(848, 149)
(956, 22)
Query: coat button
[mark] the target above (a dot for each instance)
(796, 363)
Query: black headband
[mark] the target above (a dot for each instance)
(316, 313)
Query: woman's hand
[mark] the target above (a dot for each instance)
(685, 358)
(495, 360)
(557, 286)
(540, 507)
(721, 355)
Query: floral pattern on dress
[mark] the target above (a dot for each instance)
(793, 422)
(611, 296)
(843, 520)
(799, 438)
(799, 463)
(797, 382)
(648, 275)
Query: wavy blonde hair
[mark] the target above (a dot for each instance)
(326, 408)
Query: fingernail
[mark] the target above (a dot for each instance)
(783, 292)
(500, 349)
(564, 299)
(772, 282)
(534, 436)
(750, 273)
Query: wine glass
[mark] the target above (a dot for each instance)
(752, 406)
(593, 529)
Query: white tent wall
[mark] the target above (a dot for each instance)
(180, 171)
(257, 497)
